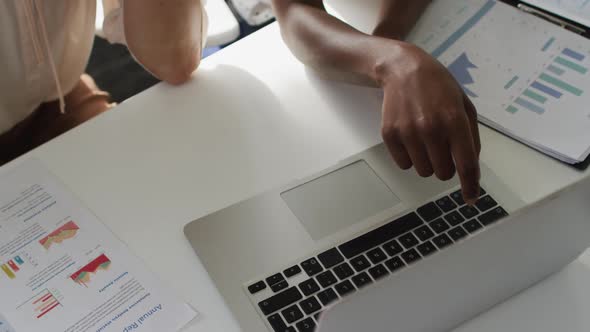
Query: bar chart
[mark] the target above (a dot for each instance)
(551, 83)
(527, 78)
(12, 267)
(40, 305)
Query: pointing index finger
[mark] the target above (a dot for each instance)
(466, 160)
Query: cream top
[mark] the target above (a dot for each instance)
(44, 49)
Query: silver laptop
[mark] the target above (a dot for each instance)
(366, 246)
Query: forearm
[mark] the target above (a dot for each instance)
(165, 36)
(326, 43)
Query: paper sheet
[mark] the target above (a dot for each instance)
(63, 270)
(575, 10)
(527, 77)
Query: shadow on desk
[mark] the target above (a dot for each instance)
(357, 104)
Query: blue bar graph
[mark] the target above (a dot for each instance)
(548, 44)
(555, 70)
(546, 89)
(464, 28)
(529, 105)
(573, 54)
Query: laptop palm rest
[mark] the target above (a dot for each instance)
(339, 199)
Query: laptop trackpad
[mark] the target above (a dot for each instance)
(339, 199)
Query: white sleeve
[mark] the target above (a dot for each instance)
(114, 30)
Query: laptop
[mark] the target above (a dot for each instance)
(364, 245)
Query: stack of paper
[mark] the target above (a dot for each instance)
(527, 77)
(575, 10)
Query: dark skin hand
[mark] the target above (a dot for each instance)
(427, 120)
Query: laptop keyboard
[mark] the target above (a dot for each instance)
(342, 270)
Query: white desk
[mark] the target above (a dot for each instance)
(247, 122)
(223, 26)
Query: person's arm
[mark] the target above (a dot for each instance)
(427, 121)
(165, 36)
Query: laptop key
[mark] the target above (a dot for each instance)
(257, 287)
(446, 204)
(290, 329)
(424, 233)
(454, 218)
(310, 305)
(327, 296)
(279, 286)
(469, 211)
(429, 212)
(330, 258)
(343, 271)
(393, 248)
(439, 226)
(442, 241)
(378, 272)
(485, 203)
(380, 235)
(276, 278)
(360, 263)
(395, 264)
(277, 323)
(361, 279)
(410, 256)
(344, 288)
(426, 248)
(457, 233)
(306, 325)
(408, 240)
(457, 196)
(376, 255)
(312, 267)
(492, 216)
(472, 226)
(326, 279)
(292, 314)
(279, 301)
(309, 287)
(292, 271)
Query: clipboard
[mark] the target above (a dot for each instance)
(564, 23)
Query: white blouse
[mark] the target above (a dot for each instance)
(44, 48)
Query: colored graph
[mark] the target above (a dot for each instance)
(44, 303)
(552, 83)
(82, 276)
(460, 70)
(67, 231)
(11, 267)
(40, 305)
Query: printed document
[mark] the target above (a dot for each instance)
(528, 78)
(62, 270)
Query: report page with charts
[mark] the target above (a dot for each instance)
(62, 270)
(527, 77)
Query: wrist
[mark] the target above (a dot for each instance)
(394, 60)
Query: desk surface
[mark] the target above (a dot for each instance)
(248, 122)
